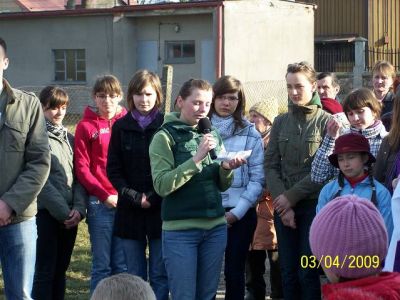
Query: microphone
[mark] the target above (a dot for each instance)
(205, 127)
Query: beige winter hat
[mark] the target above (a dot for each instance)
(268, 108)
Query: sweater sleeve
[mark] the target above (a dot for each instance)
(256, 178)
(272, 162)
(82, 164)
(321, 168)
(51, 199)
(167, 178)
(114, 160)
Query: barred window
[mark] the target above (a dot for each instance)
(180, 52)
(70, 65)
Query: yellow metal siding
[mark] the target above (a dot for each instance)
(340, 17)
(384, 21)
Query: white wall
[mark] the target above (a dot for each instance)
(262, 37)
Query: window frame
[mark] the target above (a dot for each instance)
(65, 61)
(182, 59)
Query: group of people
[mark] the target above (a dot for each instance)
(172, 200)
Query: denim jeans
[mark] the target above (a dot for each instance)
(240, 235)
(135, 255)
(18, 254)
(193, 259)
(297, 282)
(53, 254)
(107, 254)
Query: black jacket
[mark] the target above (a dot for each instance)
(128, 166)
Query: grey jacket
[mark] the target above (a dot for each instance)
(24, 152)
(62, 192)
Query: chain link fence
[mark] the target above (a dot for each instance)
(80, 97)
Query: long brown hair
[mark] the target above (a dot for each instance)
(394, 133)
(139, 81)
(229, 84)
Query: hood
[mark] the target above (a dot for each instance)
(90, 113)
(173, 117)
(314, 103)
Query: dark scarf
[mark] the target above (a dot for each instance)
(59, 131)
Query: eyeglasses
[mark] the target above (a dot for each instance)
(230, 98)
(103, 97)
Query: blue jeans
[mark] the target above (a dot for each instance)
(240, 235)
(135, 255)
(18, 254)
(193, 259)
(107, 254)
(297, 282)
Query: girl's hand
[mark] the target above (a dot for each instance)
(145, 203)
(281, 204)
(233, 163)
(207, 143)
(111, 201)
(230, 218)
(73, 220)
(333, 128)
(288, 219)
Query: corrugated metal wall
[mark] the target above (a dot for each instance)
(339, 17)
(384, 20)
(372, 19)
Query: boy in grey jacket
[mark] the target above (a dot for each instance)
(24, 165)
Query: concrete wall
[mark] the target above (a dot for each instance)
(192, 27)
(110, 43)
(262, 37)
(30, 43)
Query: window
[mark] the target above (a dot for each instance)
(180, 52)
(70, 65)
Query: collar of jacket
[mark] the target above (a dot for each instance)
(9, 91)
(309, 109)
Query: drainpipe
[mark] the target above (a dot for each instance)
(218, 69)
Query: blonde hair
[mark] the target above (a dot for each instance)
(304, 68)
(385, 67)
(123, 286)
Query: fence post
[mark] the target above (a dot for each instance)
(359, 61)
(166, 81)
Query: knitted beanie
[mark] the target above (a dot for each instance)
(268, 108)
(350, 230)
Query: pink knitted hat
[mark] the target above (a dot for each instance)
(349, 227)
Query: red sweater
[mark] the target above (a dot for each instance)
(385, 286)
(92, 137)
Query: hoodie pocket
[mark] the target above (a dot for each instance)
(16, 134)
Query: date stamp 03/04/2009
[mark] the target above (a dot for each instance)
(348, 261)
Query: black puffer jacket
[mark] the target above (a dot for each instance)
(128, 166)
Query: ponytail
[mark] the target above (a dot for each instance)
(341, 184)
(371, 181)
